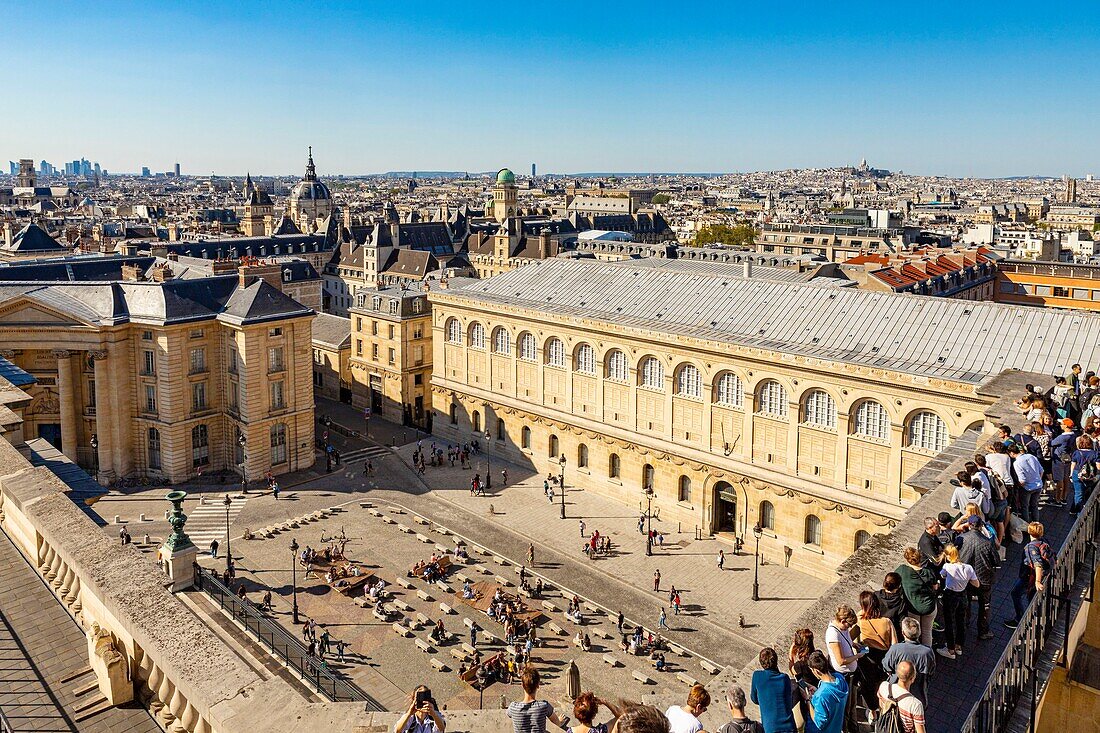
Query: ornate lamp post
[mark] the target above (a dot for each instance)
(561, 483)
(648, 491)
(294, 577)
(227, 502)
(488, 450)
(756, 532)
(94, 442)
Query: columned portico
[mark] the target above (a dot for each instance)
(68, 402)
(104, 417)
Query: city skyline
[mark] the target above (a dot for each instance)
(612, 88)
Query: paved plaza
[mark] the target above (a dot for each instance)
(388, 665)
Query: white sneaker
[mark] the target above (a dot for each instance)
(945, 652)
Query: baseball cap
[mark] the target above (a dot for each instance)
(1067, 423)
(974, 520)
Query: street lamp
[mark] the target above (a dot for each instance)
(488, 467)
(94, 442)
(294, 576)
(561, 483)
(756, 532)
(228, 551)
(648, 491)
(242, 441)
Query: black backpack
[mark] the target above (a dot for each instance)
(890, 719)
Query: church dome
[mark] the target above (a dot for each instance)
(310, 191)
(505, 176)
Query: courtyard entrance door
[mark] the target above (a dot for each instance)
(51, 432)
(725, 508)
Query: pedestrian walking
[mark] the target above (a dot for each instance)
(721, 559)
(619, 622)
(657, 581)
(662, 620)
(214, 549)
(473, 634)
(341, 646)
(266, 604)
(676, 604)
(522, 574)
(531, 554)
(581, 523)
(504, 477)
(370, 467)
(641, 524)
(324, 642)
(275, 489)
(550, 496)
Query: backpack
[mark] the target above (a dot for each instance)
(890, 720)
(1000, 489)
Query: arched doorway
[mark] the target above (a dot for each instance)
(725, 508)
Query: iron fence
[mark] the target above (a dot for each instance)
(5, 724)
(282, 644)
(1018, 670)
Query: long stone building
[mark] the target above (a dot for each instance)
(165, 376)
(736, 401)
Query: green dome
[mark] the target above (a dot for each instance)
(505, 176)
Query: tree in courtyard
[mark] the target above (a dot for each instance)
(738, 235)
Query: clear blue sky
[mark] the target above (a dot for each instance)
(962, 88)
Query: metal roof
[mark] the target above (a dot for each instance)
(929, 336)
(729, 269)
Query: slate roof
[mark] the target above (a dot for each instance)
(33, 238)
(73, 269)
(932, 337)
(14, 375)
(332, 330)
(237, 247)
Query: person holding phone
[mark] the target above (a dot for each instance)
(422, 715)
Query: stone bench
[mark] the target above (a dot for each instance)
(404, 583)
(421, 520)
(379, 615)
(424, 646)
(440, 665)
(504, 581)
(687, 679)
(709, 667)
(401, 630)
(412, 623)
(403, 606)
(422, 619)
(483, 570)
(396, 510)
(444, 587)
(403, 528)
(470, 651)
(677, 649)
(364, 505)
(463, 577)
(424, 538)
(641, 677)
(501, 561)
(609, 659)
(388, 520)
(458, 654)
(374, 512)
(555, 629)
(549, 606)
(446, 609)
(468, 623)
(424, 595)
(602, 634)
(440, 548)
(443, 531)
(592, 608)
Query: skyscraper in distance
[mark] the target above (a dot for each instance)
(532, 170)
(177, 170)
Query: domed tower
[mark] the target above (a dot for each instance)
(505, 195)
(258, 211)
(310, 200)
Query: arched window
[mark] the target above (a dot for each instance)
(200, 446)
(872, 420)
(728, 390)
(582, 456)
(683, 490)
(687, 381)
(648, 475)
(928, 432)
(813, 531)
(527, 348)
(153, 449)
(819, 409)
(525, 437)
(652, 373)
(614, 467)
(278, 443)
(553, 447)
(475, 421)
(454, 331)
(454, 414)
(502, 342)
(617, 369)
(862, 538)
(767, 515)
(555, 353)
(586, 359)
(501, 432)
(773, 399)
(477, 336)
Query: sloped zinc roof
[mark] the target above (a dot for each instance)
(934, 337)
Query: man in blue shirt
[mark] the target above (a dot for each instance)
(829, 699)
(772, 691)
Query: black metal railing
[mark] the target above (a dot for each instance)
(282, 644)
(5, 724)
(1019, 670)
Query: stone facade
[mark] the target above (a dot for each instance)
(814, 450)
(391, 355)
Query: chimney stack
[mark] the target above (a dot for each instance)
(268, 272)
(748, 267)
(131, 273)
(161, 273)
